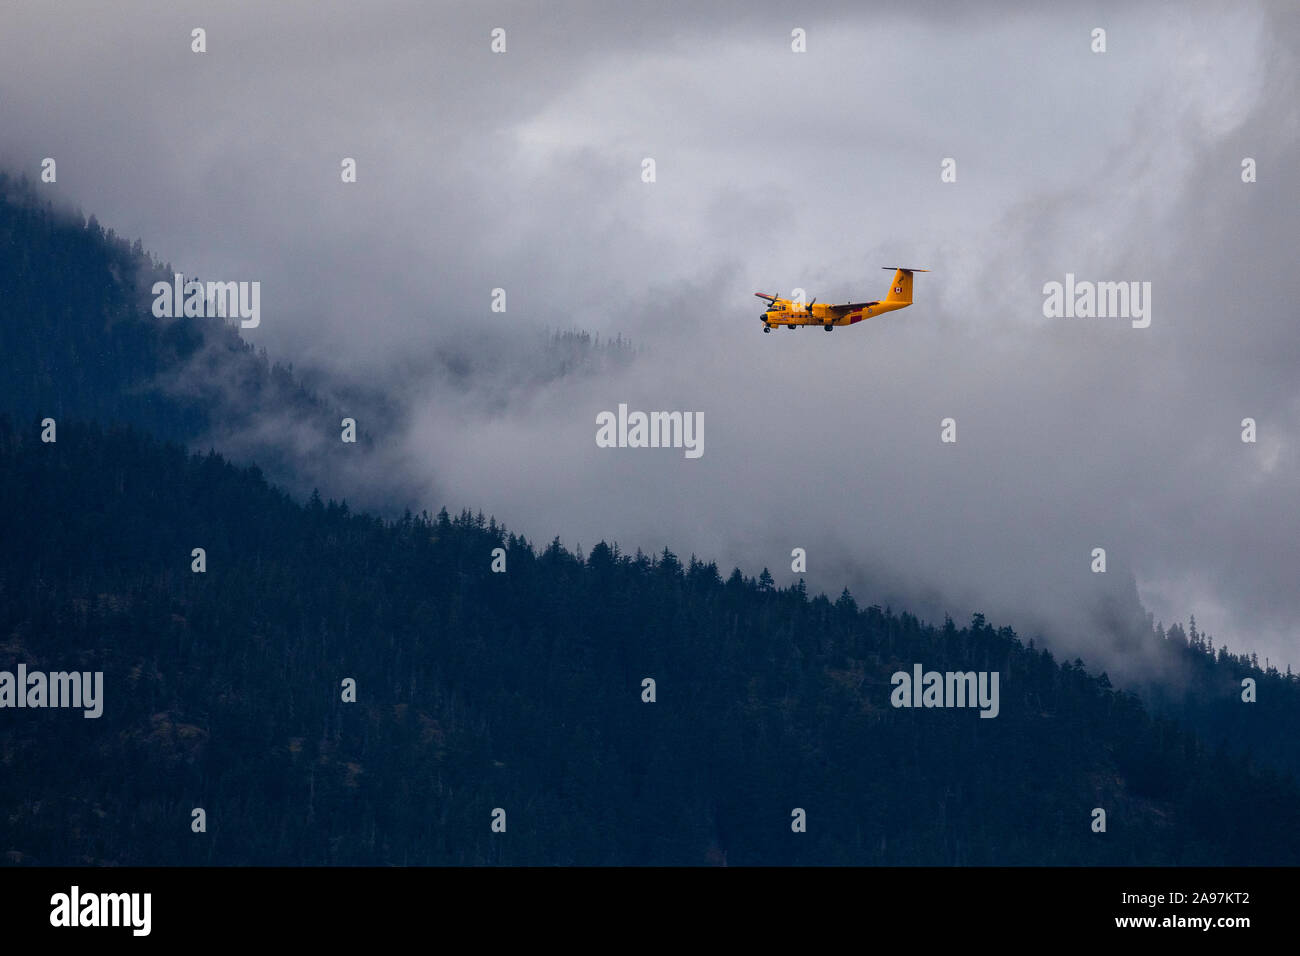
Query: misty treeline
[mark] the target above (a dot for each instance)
(519, 690)
(78, 339)
(523, 690)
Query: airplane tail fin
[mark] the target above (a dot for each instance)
(900, 290)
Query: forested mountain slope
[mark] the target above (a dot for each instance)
(522, 691)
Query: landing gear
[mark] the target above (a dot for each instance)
(828, 327)
(767, 329)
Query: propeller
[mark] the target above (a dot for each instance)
(810, 305)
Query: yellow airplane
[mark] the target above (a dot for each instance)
(792, 315)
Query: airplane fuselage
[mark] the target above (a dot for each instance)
(792, 314)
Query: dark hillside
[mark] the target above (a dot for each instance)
(522, 690)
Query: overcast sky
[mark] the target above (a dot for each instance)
(775, 170)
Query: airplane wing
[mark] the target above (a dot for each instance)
(849, 307)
